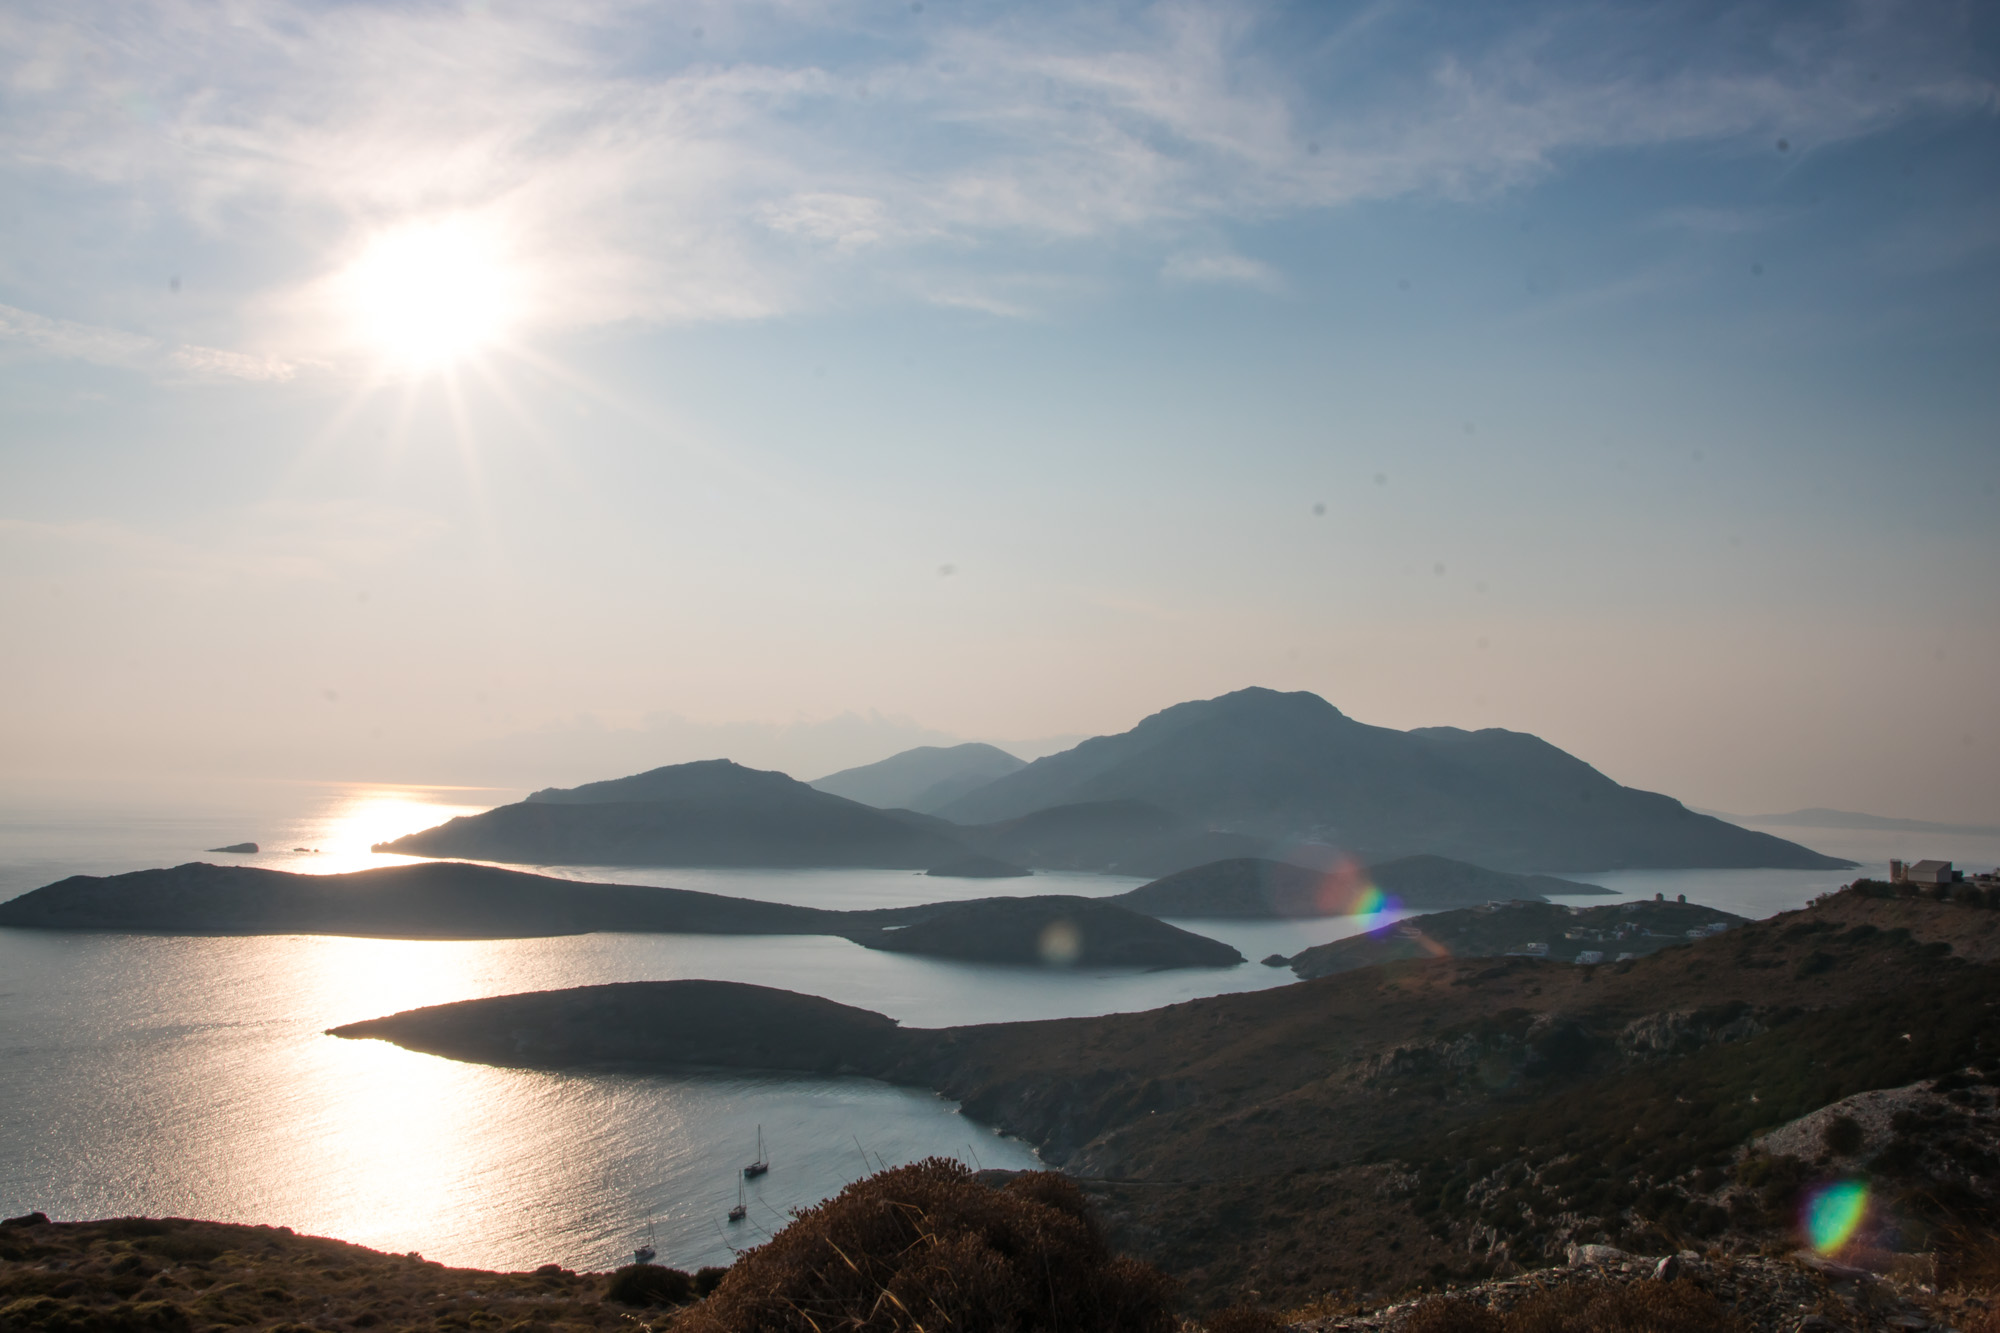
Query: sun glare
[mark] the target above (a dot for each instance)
(431, 293)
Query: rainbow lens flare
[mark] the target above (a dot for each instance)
(1833, 1214)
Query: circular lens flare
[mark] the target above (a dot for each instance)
(1061, 943)
(1833, 1213)
(426, 294)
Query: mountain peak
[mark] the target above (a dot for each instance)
(698, 778)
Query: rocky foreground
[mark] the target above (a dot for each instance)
(174, 1274)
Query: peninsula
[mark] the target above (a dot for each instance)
(1229, 1139)
(454, 900)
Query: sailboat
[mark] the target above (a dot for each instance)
(742, 1209)
(644, 1254)
(762, 1163)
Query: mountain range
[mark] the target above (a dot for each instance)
(1285, 776)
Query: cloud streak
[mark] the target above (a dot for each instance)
(115, 347)
(791, 157)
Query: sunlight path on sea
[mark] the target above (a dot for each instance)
(192, 1076)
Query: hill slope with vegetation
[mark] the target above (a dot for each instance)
(1451, 1118)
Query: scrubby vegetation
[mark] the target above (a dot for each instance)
(650, 1284)
(928, 1246)
(1596, 1307)
(182, 1276)
(1641, 1158)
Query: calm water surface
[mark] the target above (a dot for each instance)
(192, 1076)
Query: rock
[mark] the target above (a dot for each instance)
(1277, 960)
(27, 1220)
(1668, 1268)
(238, 849)
(1596, 1254)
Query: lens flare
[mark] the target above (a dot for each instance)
(1833, 1213)
(1061, 943)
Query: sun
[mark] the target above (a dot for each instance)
(427, 294)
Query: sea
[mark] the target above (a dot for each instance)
(193, 1077)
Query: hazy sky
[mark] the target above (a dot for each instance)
(532, 392)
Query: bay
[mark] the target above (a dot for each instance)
(192, 1076)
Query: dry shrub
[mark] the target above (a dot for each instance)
(927, 1246)
(1583, 1307)
(1635, 1307)
(650, 1284)
(1243, 1319)
(1968, 1259)
(1452, 1314)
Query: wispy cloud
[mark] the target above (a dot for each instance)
(116, 347)
(647, 174)
(1221, 267)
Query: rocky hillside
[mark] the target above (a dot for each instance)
(1451, 1118)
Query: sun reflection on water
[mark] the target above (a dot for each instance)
(336, 837)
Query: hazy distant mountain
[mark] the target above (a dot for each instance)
(1291, 768)
(711, 813)
(1817, 817)
(925, 778)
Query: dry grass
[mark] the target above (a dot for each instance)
(927, 1247)
(1580, 1307)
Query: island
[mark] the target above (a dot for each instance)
(457, 900)
(1054, 929)
(1257, 888)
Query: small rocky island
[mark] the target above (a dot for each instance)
(1056, 930)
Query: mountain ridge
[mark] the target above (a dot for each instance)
(1290, 767)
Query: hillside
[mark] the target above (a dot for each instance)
(1433, 1118)
(1273, 768)
(1114, 837)
(712, 813)
(1255, 888)
(1522, 928)
(922, 779)
(174, 1274)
